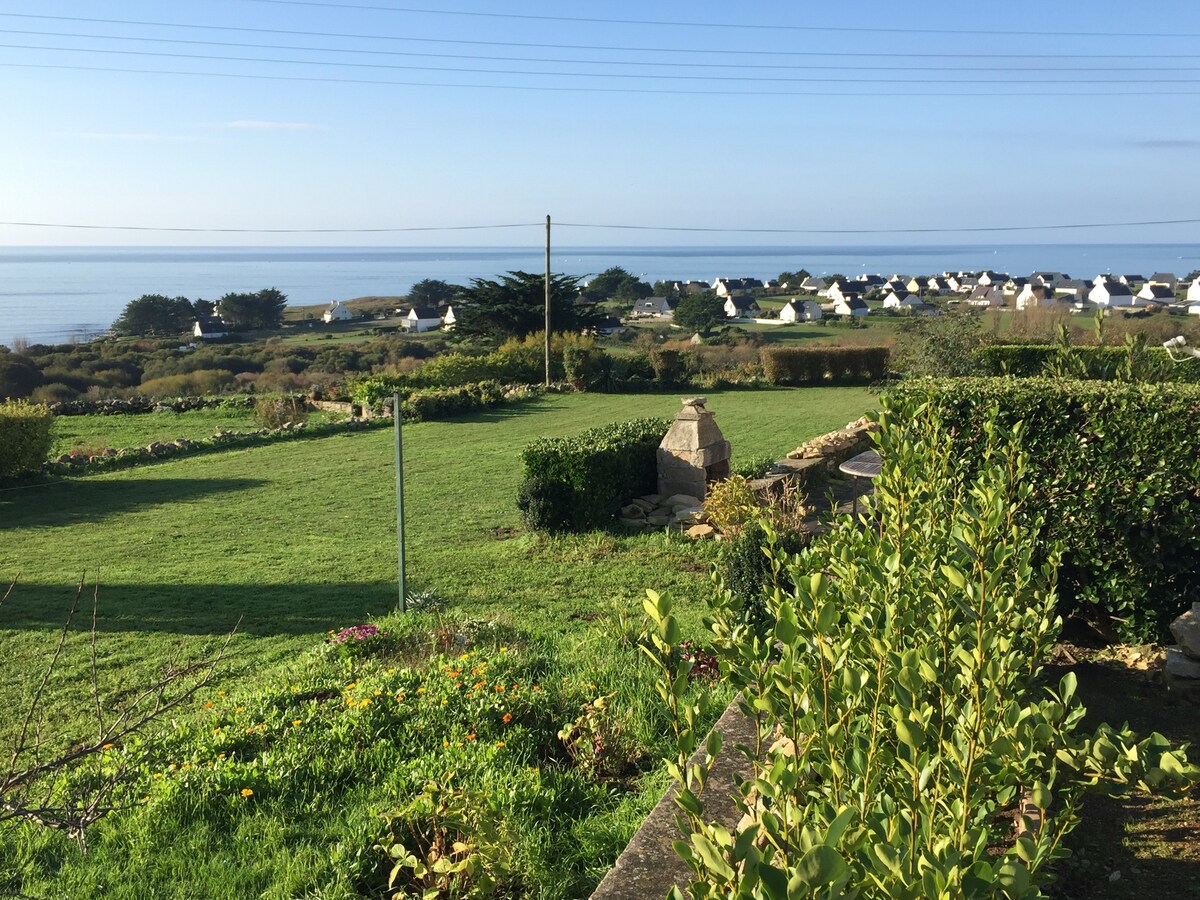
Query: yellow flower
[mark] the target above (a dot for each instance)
(503, 649)
(377, 693)
(107, 747)
(220, 693)
(445, 743)
(296, 721)
(158, 774)
(240, 709)
(420, 690)
(246, 792)
(499, 743)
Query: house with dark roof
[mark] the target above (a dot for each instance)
(655, 307)
(422, 318)
(1164, 278)
(1157, 294)
(1108, 294)
(850, 305)
(741, 307)
(209, 328)
(800, 311)
(1035, 295)
(985, 295)
(842, 291)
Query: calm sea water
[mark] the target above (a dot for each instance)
(53, 294)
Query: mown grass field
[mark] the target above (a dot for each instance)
(83, 433)
(289, 540)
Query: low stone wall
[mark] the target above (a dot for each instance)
(136, 405)
(821, 455)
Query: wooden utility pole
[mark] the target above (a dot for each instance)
(397, 417)
(547, 301)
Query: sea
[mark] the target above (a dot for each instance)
(66, 294)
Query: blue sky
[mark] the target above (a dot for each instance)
(453, 148)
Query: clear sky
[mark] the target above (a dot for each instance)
(773, 115)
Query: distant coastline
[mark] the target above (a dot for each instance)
(51, 294)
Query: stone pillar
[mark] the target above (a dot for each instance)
(693, 453)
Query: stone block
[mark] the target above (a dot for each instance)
(1186, 631)
(1180, 665)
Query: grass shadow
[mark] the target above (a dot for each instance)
(1153, 843)
(203, 609)
(84, 501)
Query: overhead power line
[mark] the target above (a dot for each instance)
(468, 70)
(707, 64)
(753, 26)
(621, 227)
(313, 79)
(719, 51)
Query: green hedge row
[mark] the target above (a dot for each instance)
(25, 437)
(804, 366)
(376, 391)
(577, 483)
(1098, 363)
(1115, 471)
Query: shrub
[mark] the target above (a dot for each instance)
(906, 743)
(802, 366)
(730, 504)
(25, 437)
(1093, 363)
(746, 570)
(546, 505)
(1115, 471)
(596, 471)
(273, 412)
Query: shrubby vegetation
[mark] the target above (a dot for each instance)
(804, 366)
(911, 748)
(25, 437)
(580, 482)
(1113, 470)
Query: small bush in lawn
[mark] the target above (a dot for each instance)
(746, 571)
(274, 412)
(546, 505)
(730, 504)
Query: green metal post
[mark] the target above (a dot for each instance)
(397, 416)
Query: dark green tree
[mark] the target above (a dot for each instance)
(699, 312)
(665, 289)
(18, 375)
(262, 309)
(432, 292)
(513, 306)
(616, 284)
(155, 314)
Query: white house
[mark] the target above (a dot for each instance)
(656, 307)
(728, 287)
(843, 291)
(850, 305)
(449, 319)
(918, 285)
(1194, 309)
(1166, 279)
(902, 299)
(1157, 294)
(1035, 295)
(1193, 292)
(800, 311)
(337, 312)
(1108, 294)
(988, 278)
(740, 308)
(814, 284)
(1050, 279)
(985, 295)
(210, 328)
(422, 318)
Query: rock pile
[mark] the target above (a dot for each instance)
(838, 446)
(1183, 659)
(679, 511)
(135, 405)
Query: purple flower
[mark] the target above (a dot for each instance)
(355, 633)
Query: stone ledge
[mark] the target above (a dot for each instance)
(649, 865)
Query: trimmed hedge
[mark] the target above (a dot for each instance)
(25, 437)
(1115, 471)
(376, 391)
(577, 483)
(805, 366)
(1098, 363)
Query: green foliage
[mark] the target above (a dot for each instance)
(274, 412)
(587, 368)
(25, 437)
(19, 376)
(584, 479)
(261, 309)
(514, 306)
(941, 346)
(699, 312)
(376, 391)
(1114, 470)
(616, 284)
(1091, 363)
(808, 366)
(899, 701)
(432, 292)
(754, 467)
(748, 567)
(155, 314)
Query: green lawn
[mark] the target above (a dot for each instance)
(296, 538)
(299, 537)
(98, 432)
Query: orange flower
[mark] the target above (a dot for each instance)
(500, 689)
(470, 737)
(208, 704)
(507, 718)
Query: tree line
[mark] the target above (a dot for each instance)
(158, 315)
